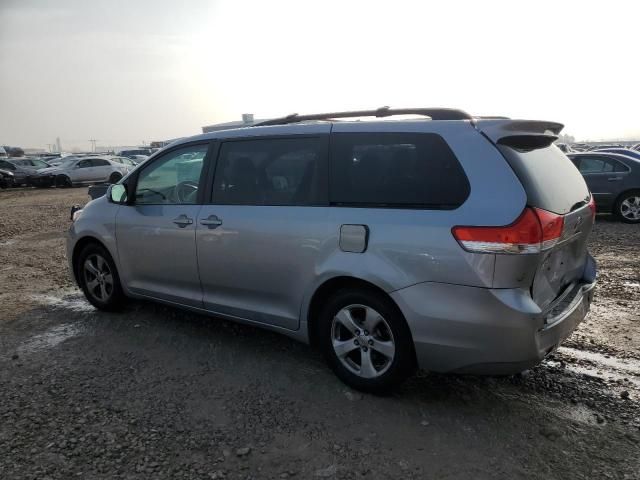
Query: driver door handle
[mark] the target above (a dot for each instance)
(211, 221)
(614, 179)
(182, 221)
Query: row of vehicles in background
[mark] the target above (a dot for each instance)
(612, 173)
(66, 171)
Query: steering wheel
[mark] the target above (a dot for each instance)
(186, 191)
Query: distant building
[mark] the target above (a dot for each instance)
(247, 121)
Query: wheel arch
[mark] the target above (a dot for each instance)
(79, 246)
(329, 287)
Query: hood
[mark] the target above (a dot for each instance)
(48, 170)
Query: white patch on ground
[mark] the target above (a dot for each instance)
(49, 339)
(74, 302)
(632, 284)
(597, 365)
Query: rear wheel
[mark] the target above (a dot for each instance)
(628, 207)
(366, 340)
(114, 177)
(97, 276)
(62, 181)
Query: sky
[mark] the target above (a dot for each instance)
(125, 72)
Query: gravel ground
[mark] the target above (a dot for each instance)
(159, 393)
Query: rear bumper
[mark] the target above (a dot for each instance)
(486, 331)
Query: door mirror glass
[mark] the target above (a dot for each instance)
(118, 194)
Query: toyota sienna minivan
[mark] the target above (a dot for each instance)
(445, 242)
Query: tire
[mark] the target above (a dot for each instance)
(114, 177)
(98, 278)
(388, 346)
(627, 207)
(62, 181)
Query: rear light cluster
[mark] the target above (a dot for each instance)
(534, 231)
(592, 206)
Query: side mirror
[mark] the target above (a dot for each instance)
(117, 194)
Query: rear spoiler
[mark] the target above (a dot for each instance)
(519, 134)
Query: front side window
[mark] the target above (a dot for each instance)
(173, 178)
(398, 170)
(272, 172)
(84, 164)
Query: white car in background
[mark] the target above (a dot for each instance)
(83, 171)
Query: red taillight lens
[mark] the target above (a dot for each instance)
(533, 231)
(592, 206)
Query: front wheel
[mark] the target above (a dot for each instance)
(62, 181)
(628, 207)
(366, 341)
(97, 276)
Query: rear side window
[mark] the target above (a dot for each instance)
(596, 164)
(396, 170)
(272, 172)
(99, 162)
(551, 180)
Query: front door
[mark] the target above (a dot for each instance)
(260, 240)
(156, 235)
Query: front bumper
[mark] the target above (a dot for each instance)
(486, 331)
(41, 180)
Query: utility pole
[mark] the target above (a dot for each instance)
(50, 147)
(93, 144)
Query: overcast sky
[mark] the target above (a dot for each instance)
(124, 72)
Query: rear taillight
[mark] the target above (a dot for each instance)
(535, 230)
(592, 206)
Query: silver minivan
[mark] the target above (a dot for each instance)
(446, 242)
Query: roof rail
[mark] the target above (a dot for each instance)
(433, 113)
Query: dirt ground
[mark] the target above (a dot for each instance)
(159, 393)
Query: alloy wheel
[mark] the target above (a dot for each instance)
(362, 340)
(630, 208)
(98, 277)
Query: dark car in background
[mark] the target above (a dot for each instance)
(6, 179)
(621, 151)
(614, 181)
(21, 173)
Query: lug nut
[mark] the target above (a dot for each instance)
(370, 342)
(364, 349)
(356, 342)
(366, 333)
(357, 332)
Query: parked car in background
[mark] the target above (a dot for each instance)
(35, 163)
(389, 245)
(614, 181)
(133, 152)
(124, 161)
(622, 151)
(21, 173)
(564, 147)
(6, 179)
(81, 171)
(138, 159)
(3, 152)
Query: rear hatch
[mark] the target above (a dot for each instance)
(553, 184)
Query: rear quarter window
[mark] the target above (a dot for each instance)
(395, 170)
(551, 180)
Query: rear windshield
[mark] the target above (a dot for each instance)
(395, 170)
(551, 180)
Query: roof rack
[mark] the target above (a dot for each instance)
(432, 113)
